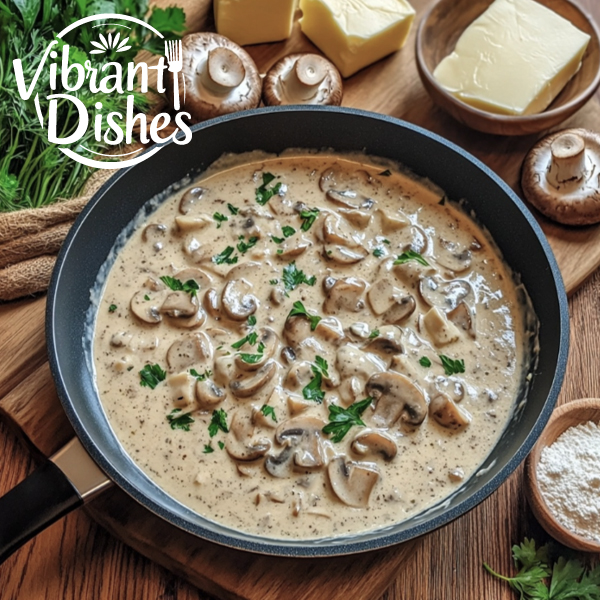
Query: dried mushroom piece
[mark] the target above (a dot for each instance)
(352, 482)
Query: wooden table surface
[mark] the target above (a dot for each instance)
(76, 559)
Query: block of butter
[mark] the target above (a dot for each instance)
(514, 59)
(254, 21)
(356, 33)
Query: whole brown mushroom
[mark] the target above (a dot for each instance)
(302, 79)
(219, 77)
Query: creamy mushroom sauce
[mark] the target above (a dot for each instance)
(383, 329)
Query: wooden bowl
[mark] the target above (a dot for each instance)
(568, 415)
(437, 35)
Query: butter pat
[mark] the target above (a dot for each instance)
(514, 59)
(356, 33)
(255, 21)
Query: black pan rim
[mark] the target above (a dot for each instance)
(344, 546)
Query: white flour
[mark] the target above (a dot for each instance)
(569, 479)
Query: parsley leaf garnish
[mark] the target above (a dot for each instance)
(288, 231)
(220, 219)
(273, 281)
(313, 390)
(151, 376)
(385, 241)
(308, 217)
(251, 320)
(251, 338)
(225, 257)
(208, 449)
(424, 362)
(341, 420)
(112, 308)
(264, 194)
(232, 209)
(201, 377)
(221, 444)
(252, 359)
(378, 252)
(277, 240)
(218, 421)
(292, 277)
(190, 286)
(451, 367)
(268, 411)
(410, 255)
(146, 297)
(182, 421)
(298, 310)
(374, 334)
(244, 246)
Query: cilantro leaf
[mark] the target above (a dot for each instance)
(264, 194)
(268, 411)
(182, 421)
(190, 286)
(252, 359)
(308, 217)
(341, 420)
(410, 255)
(208, 449)
(277, 240)
(288, 231)
(313, 391)
(244, 246)
(225, 257)
(151, 376)
(221, 444)
(232, 209)
(292, 277)
(112, 308)
(220, 219)
(424, 362)
(451, 367)
(298, 310)
(218, 421)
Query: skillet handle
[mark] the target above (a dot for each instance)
(58, 486)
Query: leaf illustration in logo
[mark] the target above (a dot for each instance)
(111, 43)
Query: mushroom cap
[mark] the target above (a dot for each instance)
(573, 202)
(219, 77)
(352, 482)
(302, 79)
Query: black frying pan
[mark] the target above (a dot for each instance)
(48, 493)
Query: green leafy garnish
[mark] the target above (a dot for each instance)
(273, 281)
(410, 255)
(201, 376)
(374, 334)
(208, 449)
(292, 277)
(424, 362)
(218, 421)
(277, 240)
(538, 579)
(385, 173)
(378, 252)
(112, 308)
(341, 420)
(308, 217)
(190, 286)
(232, 209)
(385, 241)
(251, 320)
(221, 444)
(264, 194)
(298, 310)
(182, 421)
(252, 359)
(268, 411)
(313, 390)
(451, 367)
(244, 246)
(220, 219)
(225, 257)
(146, 297)
(251, 338)
(151, 376)
(288, 231)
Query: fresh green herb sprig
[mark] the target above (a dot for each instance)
(220, 219)
(292, 277)
(112, 308)
(225, 257)
(189, 286)
(243, 246)
(298, 310)
(218, 422)
(233, 209)
(208, 449)
(263, 193)
(268, 411)
(151, 376)
(341, 420)
(308, 217)
(201, 376)
(424, 362)
(179, 421)
(374, 334)
(410, 255)
(251, 339)
(378, 252)
(313, 391)
(252, 359)
(452, 366)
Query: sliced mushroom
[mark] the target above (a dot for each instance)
(182, 389)
(145, 305)
(239, 443)
(441, 330)
(297, 404)
(330, 329)
(343, 255)
(194, 249)
(392, 222)
(236, 300)
(208, 393)
(463, 317)
(443, 410)
(402, 308)
(336, 231)
(302, 79)
(370, 441)
(450, 386)
(345, 294)
(203, 279)
(269, 341)
(352, 482)
(388, 342)
(296, 329)
(250, 385)
(359, 218)
(381, 295)
(350, 199)
(179, 304)
(212, 303)
(298, 376)
(293, 248)
(360, 330)
(446, 295)
(223, 369)
(452, 256)
(350, 361)
(350, 390)
(277, 295)
(121, 339)
(186, 224)
(192, 349)
(219, 77)
(397, 397)
(155, 234)
(190, 198)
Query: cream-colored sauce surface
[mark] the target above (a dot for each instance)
(425, 432)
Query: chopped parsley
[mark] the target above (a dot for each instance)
(243, 246)
(225, 257)
(273, 281)
(268, 411)
(208, 449)
(386, 241)
(308, 217)
(374, 334)
(279, 251)
(112, 308)
(252, 359)
(146, 297)
(277, 240)
(385, 173)
(151, 376)
(182, 421)
(313, 390)
(341, 420)
(220, 219)
(424, 362)
(252, 320)
(410, 255)
(451, 367)
(378, 252)
(263, 193)
(292, 277)
(218, 421)
(299, 310)
(232, 209)
(288, 231)
(201, 377)
(221, 444)
(190, 286)
(251, 338)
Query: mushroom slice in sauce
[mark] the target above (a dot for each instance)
(392, 222)
(388, 342)
(182, 388)
(452, 256)
(155, 234)
(208, 393)
(336, 231)
(236, 300)
(396, 397)
(345, 295)
(352, 361)
(446, 295)
(190, 198)
(145, 305)
(359, 218)
(381, 295)
(296, 329)
(248, 386)
(186, 224)
(372, 441)
(293, 248)
(270, 341)
(212, 303)
(343, 255)
(441, 330)
(202, 278)
(352, 482)
(402, 308)
(443, 410)
(179, 304)
(463, 317)
(239, 443)
(192, 349)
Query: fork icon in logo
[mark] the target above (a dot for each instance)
(174, 56)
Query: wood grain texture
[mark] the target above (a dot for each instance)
(566, 416)
(77, 559)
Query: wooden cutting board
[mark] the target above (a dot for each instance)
(28, 401)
